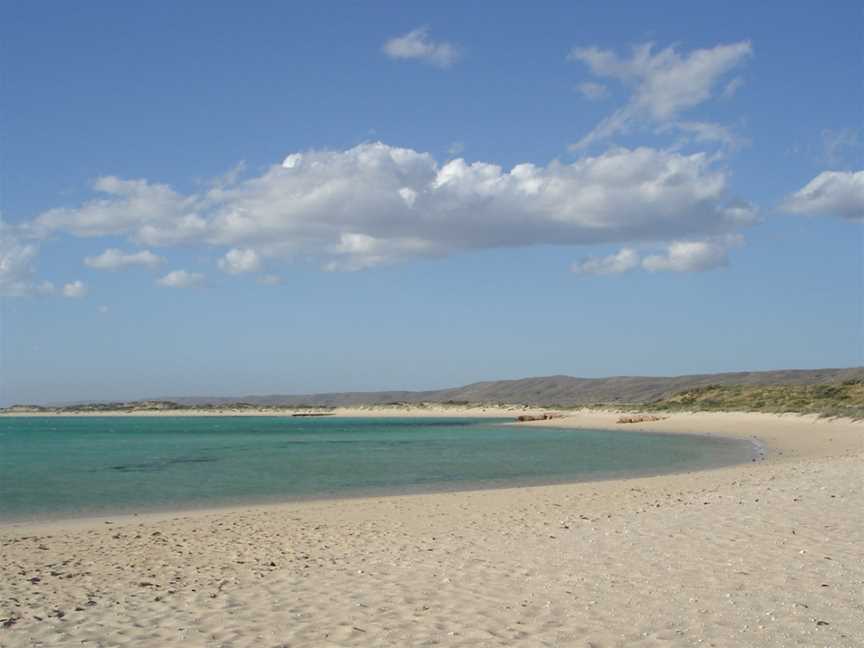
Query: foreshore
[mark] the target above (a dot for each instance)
(430, 409)
(761, 554)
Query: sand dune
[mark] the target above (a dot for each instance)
(764, 554)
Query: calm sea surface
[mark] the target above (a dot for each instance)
(63, 467)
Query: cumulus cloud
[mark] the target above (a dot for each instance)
(831, 193)
(75, 289)
(237, 261)
(690, 256)
(181, 279)
(376, 204)
(126, 205)
(417, 45)
(663, 83)
(677, 256)
(113, 259)
(622, 261)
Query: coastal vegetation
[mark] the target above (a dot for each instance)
(845, 398)
(133, 407)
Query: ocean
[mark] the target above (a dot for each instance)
(53, 467)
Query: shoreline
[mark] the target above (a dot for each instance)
(705, 424)
(62, 522)
(353, 412)
(764, 553)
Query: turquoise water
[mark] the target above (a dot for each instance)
(59, 467)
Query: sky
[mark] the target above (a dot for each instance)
(224, 198)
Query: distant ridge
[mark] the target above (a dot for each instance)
(549, 390)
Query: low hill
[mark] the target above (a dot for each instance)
(563, 391)
(845, 398)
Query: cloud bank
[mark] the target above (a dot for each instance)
(375, 204)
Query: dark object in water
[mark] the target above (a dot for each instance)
(160, 464)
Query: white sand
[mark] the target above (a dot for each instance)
(420, 409)
(763, 554)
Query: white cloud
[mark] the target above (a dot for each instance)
(622, 261)
(113, 259)
(678, 256)
(593, 91)
(75, 289)
(103, 309)
(181, 279)
(664, 83)
(417, 45)
(831, 193)
(17, 265)
(376, 204)
(237, 261)
(408, 195)
(690, 256)
(126, 205)
(356, 251)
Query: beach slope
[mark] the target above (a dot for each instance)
(762, 554)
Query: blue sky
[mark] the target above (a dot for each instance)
(223, 199)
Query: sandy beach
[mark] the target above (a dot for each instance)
(762, 554)
(422, 409)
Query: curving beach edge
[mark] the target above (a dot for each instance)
(762, 554)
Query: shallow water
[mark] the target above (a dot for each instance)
(64, 467)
